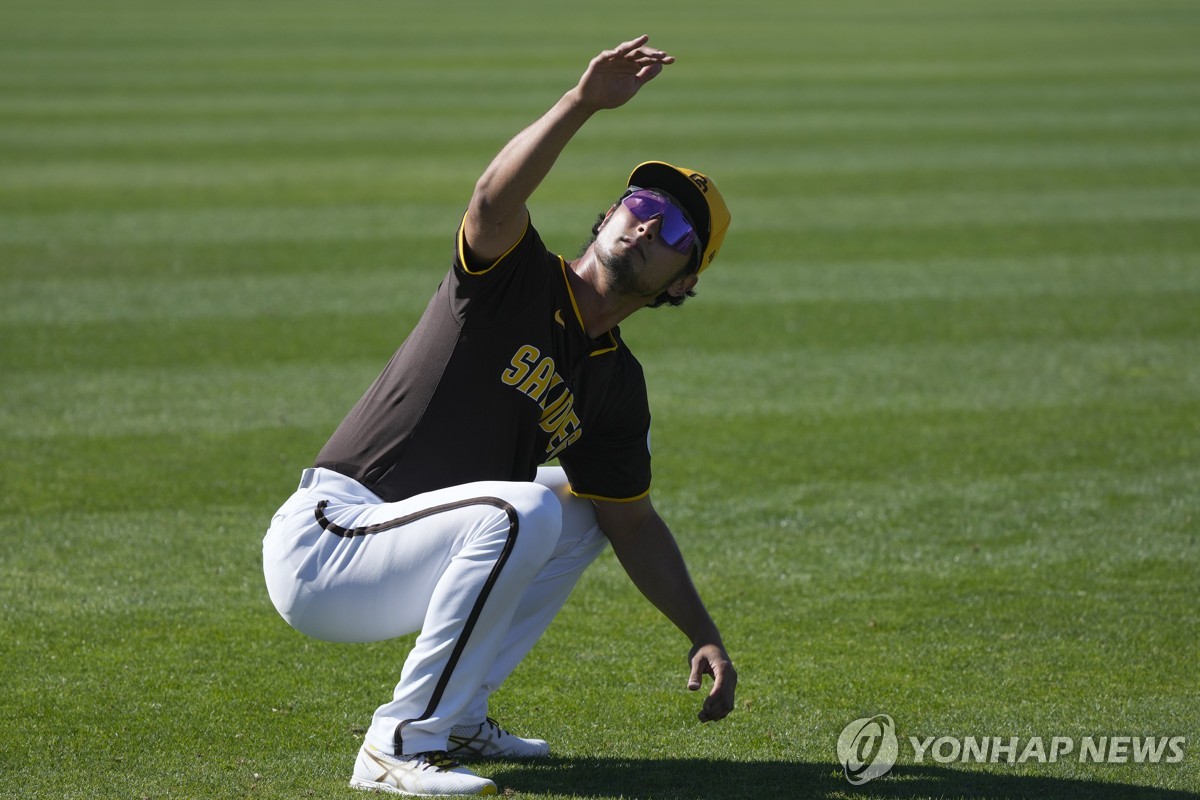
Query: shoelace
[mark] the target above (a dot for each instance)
(439, 760)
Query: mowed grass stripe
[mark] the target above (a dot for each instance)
(1113, 317)
(1127, 90)
(33, 192)
(84, 472)
(365, 126)
(219, 58)
(313, 395)
(924, 525)
(406, 120)
(952, 277)
(1005, 524)
(778, 154)
(905, 161)
(1145, 244)
(917, 209)
(235, 174)
(167, 261)
(231, 224)
(171, 473)
(317, 289)
(819, 384)
(314, 291)
(25, 140)
(814, 385)
(938, 443)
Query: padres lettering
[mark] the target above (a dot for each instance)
(535, 376)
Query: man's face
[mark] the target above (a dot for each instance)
(634, 255)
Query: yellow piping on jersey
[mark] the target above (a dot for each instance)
(608, 349)
(575, 307)
(611, 499)
(562, 264)
(462, 249)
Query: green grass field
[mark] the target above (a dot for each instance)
(929, 435)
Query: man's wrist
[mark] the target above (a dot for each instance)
(574, 101)
(712, 638)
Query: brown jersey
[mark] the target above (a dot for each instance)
(497, 378)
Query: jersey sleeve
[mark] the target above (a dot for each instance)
(612, 459)
(464, 263)
(495, 292)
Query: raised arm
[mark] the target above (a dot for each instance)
(497, 215)
(647, 550)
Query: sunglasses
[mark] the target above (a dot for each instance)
(675, 229)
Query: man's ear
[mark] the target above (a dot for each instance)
(681, 287)
(607, 214)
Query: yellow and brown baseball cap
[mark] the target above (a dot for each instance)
(699, 197)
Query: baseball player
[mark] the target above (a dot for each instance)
(429, 510)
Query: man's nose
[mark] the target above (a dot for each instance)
(652, 227)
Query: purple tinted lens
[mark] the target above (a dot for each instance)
(676, 230)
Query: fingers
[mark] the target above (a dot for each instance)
(615, 76)
(715, 708)
(632, 44)
(720, 700)
(633, 53)
(648, 72)
(697, 676)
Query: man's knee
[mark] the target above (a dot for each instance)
(578, 513)
(539, 517)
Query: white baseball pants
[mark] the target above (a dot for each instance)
(479, 569)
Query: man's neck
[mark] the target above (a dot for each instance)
(600, 308)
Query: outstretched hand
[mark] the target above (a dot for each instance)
(711, 659)
(615, 76)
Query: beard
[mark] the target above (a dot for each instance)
(619, 268)
(622, 276)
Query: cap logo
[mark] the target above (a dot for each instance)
(700, 181)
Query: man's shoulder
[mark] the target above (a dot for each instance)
(529, 248)
(492, 293)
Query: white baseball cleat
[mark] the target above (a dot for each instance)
(432, 774)
(489, 740)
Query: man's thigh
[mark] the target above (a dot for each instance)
(342, 565)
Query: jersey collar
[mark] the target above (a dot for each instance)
(607, 342)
